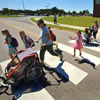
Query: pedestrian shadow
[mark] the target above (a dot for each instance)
(61, 75)
(92, 45)
(85, 60)
(25, 87)
(61, 71)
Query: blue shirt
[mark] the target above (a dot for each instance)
(9, 46)
(44, 37)
(55, 17)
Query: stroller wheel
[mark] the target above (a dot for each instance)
(2, 80)
(3, 87)
(34, 73)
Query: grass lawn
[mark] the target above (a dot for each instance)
(6, 16)
(84, 21)
(59, 27)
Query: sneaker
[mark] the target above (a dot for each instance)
(61, 59)
(43, 65)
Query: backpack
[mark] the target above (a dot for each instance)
(33, 44)
(14, 42)
(53, 36)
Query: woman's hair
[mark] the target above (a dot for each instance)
(7, 32)
(79, 32)
(40, 21)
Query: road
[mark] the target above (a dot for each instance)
(77, 78)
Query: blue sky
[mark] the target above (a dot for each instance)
(67, 5)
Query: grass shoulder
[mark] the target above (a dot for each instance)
(83, 21)
(59, 27)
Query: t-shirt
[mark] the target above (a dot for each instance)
(6, 39)
(44, 37)
(95, 27)
(26, 43)
(79, 38)
(55, 17)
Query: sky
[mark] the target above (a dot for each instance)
(72, 5)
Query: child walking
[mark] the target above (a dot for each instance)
(28, 42)
(11, 42)
(53, 37)
(78, 43)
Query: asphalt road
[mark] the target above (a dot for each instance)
(87, 89)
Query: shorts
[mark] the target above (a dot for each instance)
(12, 51)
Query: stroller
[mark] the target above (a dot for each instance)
(87, 36)
(26, 65)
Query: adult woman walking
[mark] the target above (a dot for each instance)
(47, 44)
(95, 28)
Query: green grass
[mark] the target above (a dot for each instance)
(59, 27)
(6, 16)
(33, 19)
(84, 21)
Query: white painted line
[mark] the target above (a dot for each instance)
(69, 71)
(88, 47)
(40, 95)
(89, 57)
(4, 64)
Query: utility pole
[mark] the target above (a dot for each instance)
(23, 6)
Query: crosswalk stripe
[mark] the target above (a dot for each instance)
(41, 94)
(89, 57)
(88, 47)
(4, 64)
(71, 72)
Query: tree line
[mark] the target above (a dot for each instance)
(45, 12)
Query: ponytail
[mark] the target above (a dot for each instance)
(7, 33)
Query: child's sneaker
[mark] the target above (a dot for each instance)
(61, 59)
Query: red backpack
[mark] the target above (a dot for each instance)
(53, 37)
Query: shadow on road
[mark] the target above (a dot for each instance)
(61, 75)
(92, 45)
(85, 60)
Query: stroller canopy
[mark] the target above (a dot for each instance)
(25, 53)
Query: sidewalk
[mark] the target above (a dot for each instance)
(68, 26)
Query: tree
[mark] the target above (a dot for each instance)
(54, 10)
(69, 13)
(0, 12)
(86, 12)
(81, 13)
(5, 11)
(74, 13)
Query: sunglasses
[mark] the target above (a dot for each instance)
(38, 24)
